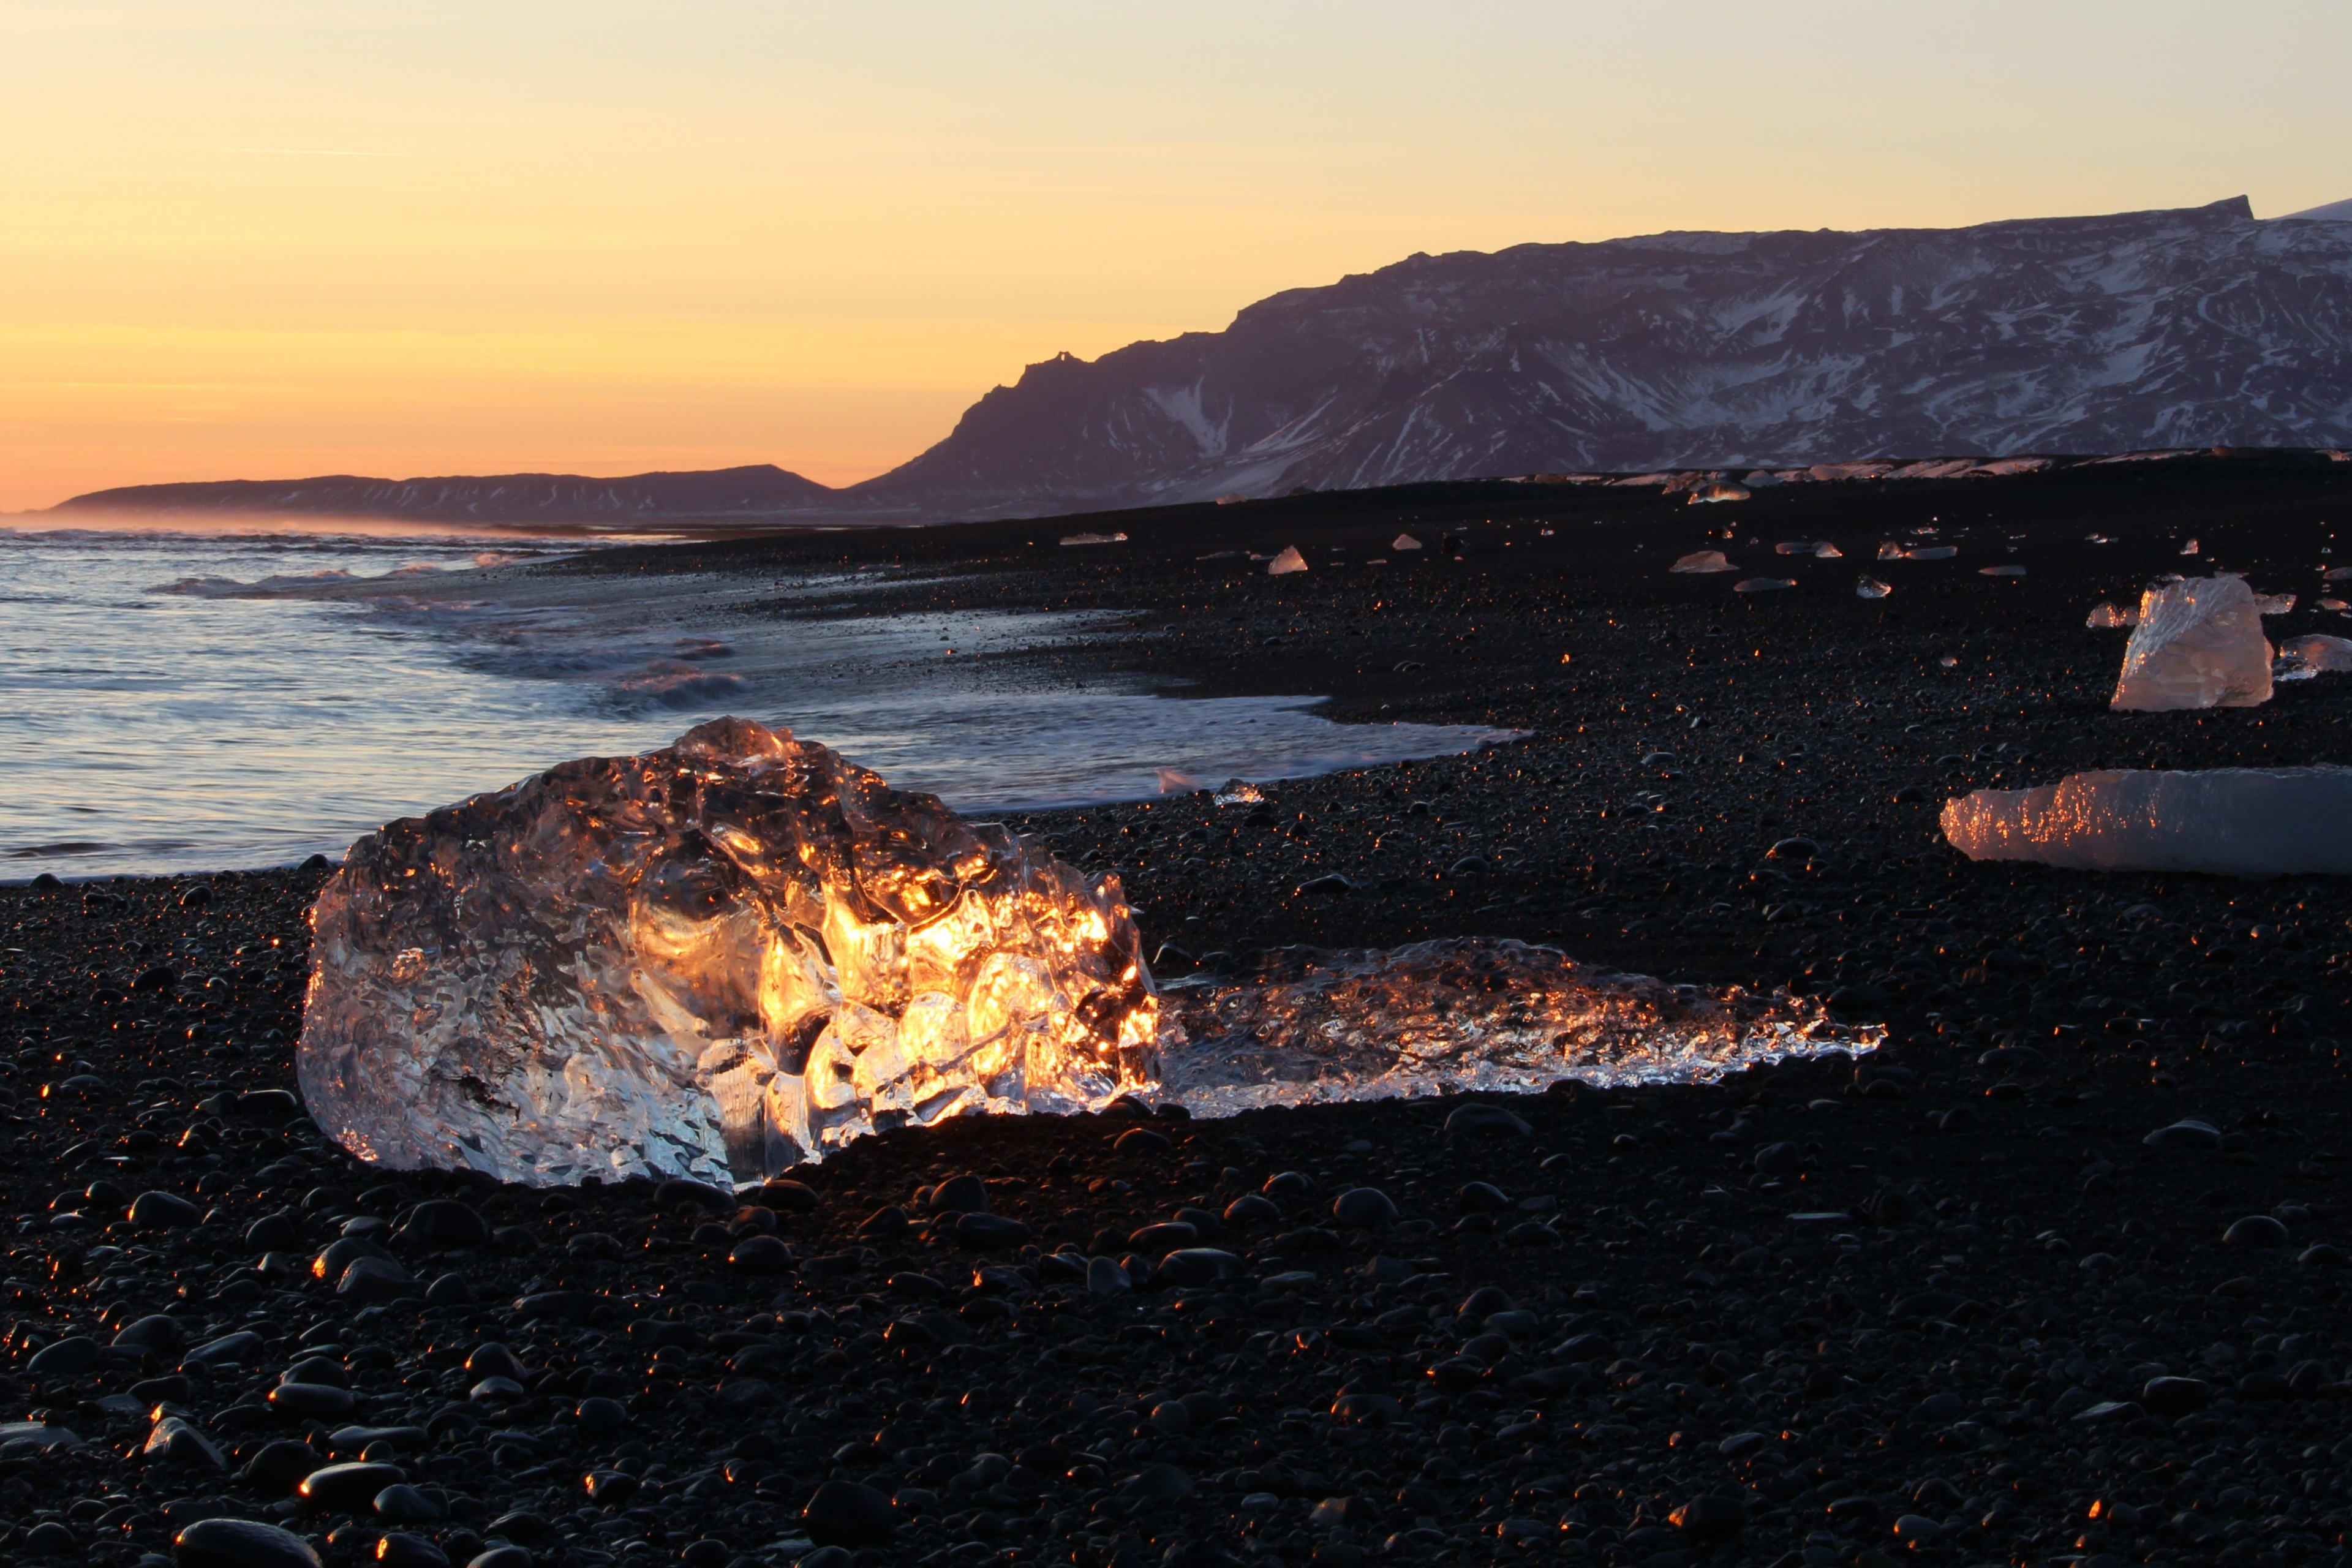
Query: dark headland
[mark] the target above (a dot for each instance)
(1951, 1303)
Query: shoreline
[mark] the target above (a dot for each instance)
(1953, 1363)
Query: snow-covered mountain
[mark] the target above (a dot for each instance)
(758, 492)
(2098, 334)
(2188, 328)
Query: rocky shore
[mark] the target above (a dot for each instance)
(2054, 1277)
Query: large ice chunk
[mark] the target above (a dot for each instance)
(2244, 821)
(1305, 1026)
(2320, 653)
(714, 961)
(2198, 643)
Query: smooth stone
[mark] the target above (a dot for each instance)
(1189, 1266)
(154, 1335)
(311, 1400)
(1250, 1209)
(678, 1190)
(1486, 1120)
(177, 1441)
(244, 1348)
(598, 1416)
(1709, 1517)
(281, 1464)
(1778, 1160)
(449, 1290)
(501, 1557)
(443, 1222)
(70, 1357)
(2185, 1136)
(966, 1193)
(1105, 1277)
(1158, 1483)
(759, 1255)
(847, 1514)
(240, 1543)
(405, 1504)
(347, 1487)
(160, 1211)
(1364, 1208)
(377, 1279)
(2258, 1230)
(982, 1231)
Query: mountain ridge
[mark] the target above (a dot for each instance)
(2172, 327)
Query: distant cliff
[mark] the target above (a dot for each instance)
(2188, 328)
(758, 492)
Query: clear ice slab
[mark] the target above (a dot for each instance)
(1305, 1026)
(2241, 822)
(715, 961)
(2198, 644)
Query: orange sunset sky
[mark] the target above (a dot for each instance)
(270, 238)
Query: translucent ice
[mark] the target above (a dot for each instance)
(2275, 604)
(1762, 585)
(713, 961)
(1868, 587)
(1703, 561)
(1404, 542)
(1289, 560)
(2244, 821)
(2109, 616)
(2320, 653)
(1473, 1014)
(2198, 643)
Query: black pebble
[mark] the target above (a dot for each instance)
(847, 1513)
(240, 1543)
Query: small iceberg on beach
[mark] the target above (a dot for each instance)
(2231, 822)
(2198, 643)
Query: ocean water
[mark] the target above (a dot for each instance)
(177, 700)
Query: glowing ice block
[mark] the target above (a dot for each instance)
(2198, 643)
(2242, 822)
(713, 961)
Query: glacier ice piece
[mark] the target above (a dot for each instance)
(2198, 643)
(2001, 571)
(2241, 822)
(1721, 491)
(1703, 561)
(2275, 604)
(2190, 548)
(713, 961)
(1404, 542)
(1305, 1026)
(1868, 587)
(1822, 548)
(1762, 585)
(2321, 654)
(2108, 615)
(1289, 560)
(1931, 552)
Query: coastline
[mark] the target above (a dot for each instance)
(1996, 1216)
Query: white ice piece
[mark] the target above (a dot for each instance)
(1703, 561)
(1289, 560)
(2275, 604)
(2001, 571)
(1762, 585)
(1931, 552)
(2240, 822)
(1870, 588)
(2320, 653)
(2108, 616)
(713, 961)
(1721, 491)
(2190, 548)
(1404, 542)
(2198, 643)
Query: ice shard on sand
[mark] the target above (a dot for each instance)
(2243, 822)
(2198, 643)
(714, 960)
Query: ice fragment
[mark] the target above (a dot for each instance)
(2001, 571)
(2190, 548)
(1867, 587)
(2320, 653)
(1931, 552)
(1404, 542)
(1762, 585)
(2198, 643)
(1721, 491)
(1703, 561)
(2275, 604)
(2108, 616)
(2245, 821)
(711, 960)
(1473, 1014)
(1289, 560)
(1094, 538)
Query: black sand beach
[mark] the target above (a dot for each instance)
(1952, 1302)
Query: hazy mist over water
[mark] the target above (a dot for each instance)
(178, 698)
